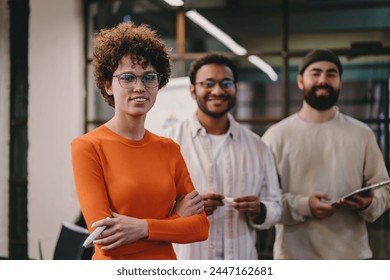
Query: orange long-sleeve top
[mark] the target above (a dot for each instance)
(137, 178)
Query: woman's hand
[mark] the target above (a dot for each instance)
(120, 230)
(189, 205)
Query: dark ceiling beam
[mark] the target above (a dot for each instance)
(337, 6)
(351, 52)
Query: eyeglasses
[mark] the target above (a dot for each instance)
(128, 80)
(224, 84)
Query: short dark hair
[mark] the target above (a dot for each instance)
(212, 58)
(141, 43)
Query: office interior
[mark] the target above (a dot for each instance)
(47, 95)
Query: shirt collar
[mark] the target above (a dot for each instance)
(197, 129)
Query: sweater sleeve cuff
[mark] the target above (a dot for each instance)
(304, 208)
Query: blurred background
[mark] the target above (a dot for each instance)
(48, 96)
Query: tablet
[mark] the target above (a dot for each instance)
(363, 191)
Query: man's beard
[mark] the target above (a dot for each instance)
(227, 98)
(322, 102)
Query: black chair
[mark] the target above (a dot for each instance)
(70, 243)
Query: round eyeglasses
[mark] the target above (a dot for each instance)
(149, 80)
(224, 84)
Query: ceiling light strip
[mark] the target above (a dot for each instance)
(216, 32)
(175, 3)
(266, 68)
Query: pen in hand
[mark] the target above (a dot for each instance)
(173, 207)
(89, 241)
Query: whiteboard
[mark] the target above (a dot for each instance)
(174, 104)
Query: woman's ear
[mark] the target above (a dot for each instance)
(108, 87)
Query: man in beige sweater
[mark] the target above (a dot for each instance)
(322, 154)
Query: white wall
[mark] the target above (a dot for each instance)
(4, 126)
(56, 94)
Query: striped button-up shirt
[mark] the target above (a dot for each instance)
(246, 167)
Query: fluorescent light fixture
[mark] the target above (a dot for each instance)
(216, 32)
(175, 3)
(266, 68)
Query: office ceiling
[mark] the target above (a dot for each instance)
(263, 26)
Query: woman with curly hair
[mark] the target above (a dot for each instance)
(122, 171)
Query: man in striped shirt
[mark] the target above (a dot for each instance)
(229, 165)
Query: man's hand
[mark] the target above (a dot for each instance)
(211, 202)
(189, 205)
(319, 209)
(248, 205)
(356, 202)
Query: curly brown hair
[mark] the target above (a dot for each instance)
(141, 43)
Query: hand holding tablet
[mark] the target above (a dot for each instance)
(362, 191)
